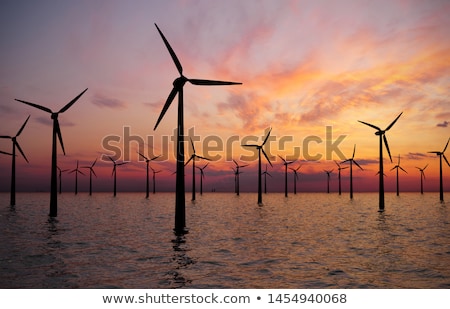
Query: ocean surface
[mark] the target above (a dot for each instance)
(308, 240)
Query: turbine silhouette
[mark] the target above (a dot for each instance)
(339, 175)
(193, 157)
(237, 175)
(328, 179)
(114, 173)
(60, 178)
(266, 173)
(441, 154)
(352, 160)
(422, 177)
(154, 178)
(382, 135)
(76, 171)
(56, 133)
(178, 84)
(260, 149)
(91, 171)
(285, 163)
(15, 144)
(148, 160)
(295, 170)
(397, 167)
(202, 175)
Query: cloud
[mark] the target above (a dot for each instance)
(417, 156)
(103, 101)
(49, 122)
(443, 124)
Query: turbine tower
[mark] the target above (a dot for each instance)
(237, 175)
(148, 160)
(328, 179)
(60, 178)
(178, 84)
(76, 171)
(352, 160)
(260, 149)
(114, 173)
(202, 175)
(296, 172)
(397, 167)
(441, 154)
(154, 178)
(266, 173)
(339, 175)
(91, 171)
(285, 163)
(382, 135)
(56, 133)
(15, 144)
(193, 157)
(422, 177)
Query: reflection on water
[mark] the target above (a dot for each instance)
(304, 241)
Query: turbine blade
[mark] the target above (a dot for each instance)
(21, 151)
(169, 100)
(354, 149)
(425, 167)
(189, 160)
(114, 170)
(403, 169)
(5, 136)
(81, 172)
(282, 158)
(93, 172)
(68, 105)
(235, 163)
(172, 53)
(45, 109)
(445, 158)
(154, 158)
(358, 165)
(390, 126)
(122, 163)
(445, 148)
(6, 153)
(337, 164)
(203, 158)
(94, 163)
(23, 126)
(250, 145)
(58, 131)
(387, 146)
(145, 158)
(436, 152)
(192, 144)
(370, 125)
(265, 140)
(267, 158)
(206, 82)
(111, 159)
(269, 175)
(205, 165)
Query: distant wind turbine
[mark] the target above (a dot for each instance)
(193, 157)
(56, 132)
(15, 144)
(260, 149)
(422, 177)
(148, 160)
(202, 175)
(91, 171)
(114, 173)
(76, 171)
(398, 167)
(178, 84)
(154, 178)
(266, 173)
(285, 163)
(60, 178)
(441, 154)
(237, 175)
(339, 175)
(328, 179)
(382, 135)
(352, 160)
(296, 172)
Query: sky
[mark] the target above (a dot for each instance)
(309, 71)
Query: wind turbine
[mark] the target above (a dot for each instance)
(260, 149)
(154, 178)
(114, 173)
(295, 170)
(266, 173)
(422, 177)
(398, 167)
(91, 171)
(339, 175)
(56, 132)
(328, 179)
(202, 175)
(147, 160)
(352, 160)
(15, 145)
(193, 157)
(441, 154)
(76, 171)
(178, 84)
(382, 135)
(60, 178)
(237, 175)
(285, 163)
